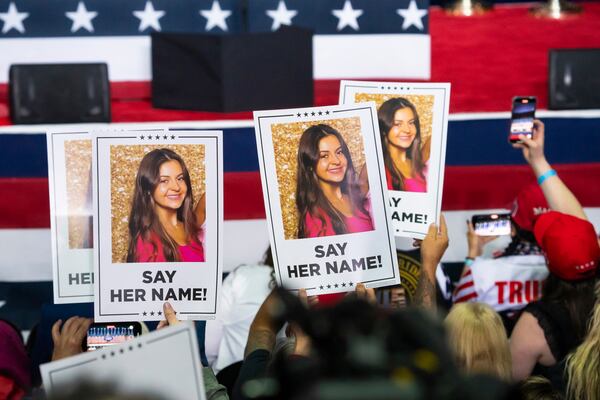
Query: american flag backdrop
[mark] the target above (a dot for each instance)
(349, 34)
(487, 60)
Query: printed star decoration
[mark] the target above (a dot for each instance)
(347, 16)
(82, 18)
(149, 17)
(13, 19)
(281, 16)
(412, 16)
(215, 16)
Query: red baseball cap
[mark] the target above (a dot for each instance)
(528, 205)
(570, 245)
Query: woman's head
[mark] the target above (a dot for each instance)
(323, 155)
(162, 182)
(576, 296)
(478, 339)
(171, 190)
(400, 129)
(323, 159)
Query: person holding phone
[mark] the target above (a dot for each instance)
(521, 261)
(164, 223)
(404, 152)
(328, 198)
(562, 314)
(523, 258)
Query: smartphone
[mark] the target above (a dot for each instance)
(111, 333)
(491, 224)
(521, 120)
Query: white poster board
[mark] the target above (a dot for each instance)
(323, 186)
(165, 363)
(413, 118)
(70, 188)
(158, 217)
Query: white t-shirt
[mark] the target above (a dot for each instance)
(504, 283)
(242, 293)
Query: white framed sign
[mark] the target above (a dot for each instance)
(413, 124)
(165, 363)
(158, 217)
(70, 188)
(323, 185)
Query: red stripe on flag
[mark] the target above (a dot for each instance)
(495, 186)
(466, 298)
(26, 204)
(243, 196)
(465, 286)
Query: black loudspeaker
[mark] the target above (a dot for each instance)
(232, 72)
(59, 93)
(574, 79)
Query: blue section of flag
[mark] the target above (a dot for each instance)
(470, 143)
(378, 16)
(48, 18)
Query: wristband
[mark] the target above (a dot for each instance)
(469, 261)
(545, 176)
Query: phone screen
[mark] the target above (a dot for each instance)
(110, 334)
(491, 224)
(523, 113)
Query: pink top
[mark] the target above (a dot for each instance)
(193, 252)
(359, 222)
(410, 184)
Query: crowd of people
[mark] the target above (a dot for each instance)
(533, 333)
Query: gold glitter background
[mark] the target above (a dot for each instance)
(423, 104)
(124, 164)
(285, 146)
(78, 163)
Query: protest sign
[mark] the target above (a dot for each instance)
(413, 123)
(70, 188)
(158, 214)
(323, 186)
(165, 363)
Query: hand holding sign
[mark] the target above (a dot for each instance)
(433, 246)
(170, 317)
(432, 249)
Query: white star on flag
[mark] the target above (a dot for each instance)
(347, 16)
(215, 16)
(149, 17)
(281, 16)
(82, 18)
(13, 19)
(412, 16)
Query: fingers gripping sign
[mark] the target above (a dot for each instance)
(170, 317)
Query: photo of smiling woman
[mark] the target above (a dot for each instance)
(328, 197)
(404, 152)
(164, 225)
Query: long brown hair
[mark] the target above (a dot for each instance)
(143, 221)
(577, 297)
(385, 115)
(309, 196)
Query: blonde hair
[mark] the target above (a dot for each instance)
(478, 339)
(583, 365)
(538, 388)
